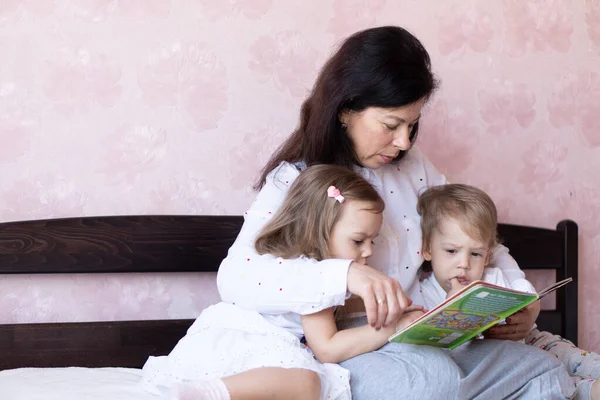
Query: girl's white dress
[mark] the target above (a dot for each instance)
(226, 340)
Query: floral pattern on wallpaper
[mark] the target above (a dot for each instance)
(19, 120)
(190, 78)
(112, 107)
(77, 80)
(287, 59)
(573, 104)
(538, 25)
(463, 27)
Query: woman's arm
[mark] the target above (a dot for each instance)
(514, 275)
(332, 346)
(271, 285)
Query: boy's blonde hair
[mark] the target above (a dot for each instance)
(304, 222)
(471, 207)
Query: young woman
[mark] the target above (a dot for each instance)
(363, 114)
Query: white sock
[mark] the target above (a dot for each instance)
(213, 389)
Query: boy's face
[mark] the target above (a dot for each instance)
(455, 255)
(353, 234)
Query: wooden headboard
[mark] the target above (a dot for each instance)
(187, 243)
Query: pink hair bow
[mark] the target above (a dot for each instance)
(334, 192)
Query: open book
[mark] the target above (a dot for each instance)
(466, 314)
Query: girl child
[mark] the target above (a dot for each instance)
(232, 353)
(459, 231)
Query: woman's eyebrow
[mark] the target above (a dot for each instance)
(402, 119)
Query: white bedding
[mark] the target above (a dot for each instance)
(72, 384)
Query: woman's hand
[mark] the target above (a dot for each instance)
(383, 296)
(517, 325)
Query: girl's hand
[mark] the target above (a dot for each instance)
(411, 314)
(408, 319)
(384, 299)
(517, 325)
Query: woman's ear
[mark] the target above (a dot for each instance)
(344, 117)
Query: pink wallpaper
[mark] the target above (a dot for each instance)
(157, 106)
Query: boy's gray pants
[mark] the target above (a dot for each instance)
(482, 369)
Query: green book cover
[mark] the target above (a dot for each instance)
(469, 312)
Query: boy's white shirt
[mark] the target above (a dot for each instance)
(281, 289)
(434, 294)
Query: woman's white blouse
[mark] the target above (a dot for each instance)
(272, 285)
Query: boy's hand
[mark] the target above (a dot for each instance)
(453, 286)
(517, 326)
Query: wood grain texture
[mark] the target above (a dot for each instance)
(533, 248)
(566, 298)
(117, 244)
(188, 243)
(88, 344)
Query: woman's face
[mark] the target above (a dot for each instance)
(379, 134)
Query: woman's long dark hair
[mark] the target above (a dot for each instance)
(379, 67)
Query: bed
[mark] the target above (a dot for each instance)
(102, 360)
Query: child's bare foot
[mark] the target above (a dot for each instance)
(595, 391)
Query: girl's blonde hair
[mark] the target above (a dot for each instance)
(471, 207)
(304, 222)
